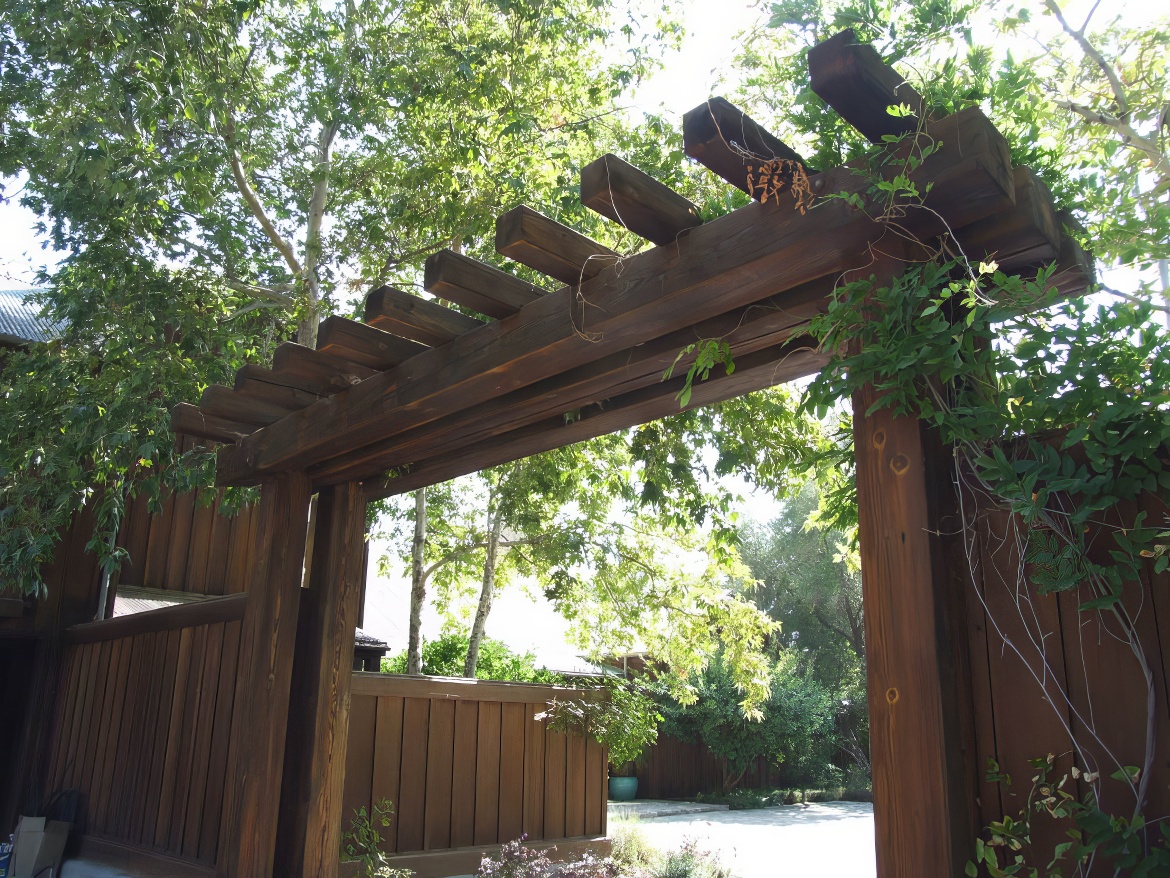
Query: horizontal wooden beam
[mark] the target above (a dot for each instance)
(416, 318)
(725, 140)
(423, 686)
(251, 374)
(751, 254)
(1028, 234)
(329, 372)
(745, 330)
(229, 608)
(291, 398)
(190, 420)
(852, 79)
(477, 285)
(618, 191)
(224, 402)
(535, 240)
(767, 368)
(367, 345)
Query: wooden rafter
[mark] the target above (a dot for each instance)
(618, 191)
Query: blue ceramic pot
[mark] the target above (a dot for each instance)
(623, 789)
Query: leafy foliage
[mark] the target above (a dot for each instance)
(1113, 842)
(517, 861)
(362, 842)
(624, 721)
(444, 657)
(793, 731)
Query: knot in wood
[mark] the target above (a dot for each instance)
(892, 695)
(879, 439)
(899, 464)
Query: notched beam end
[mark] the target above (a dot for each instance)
(535, 240)
(415, 318)
(364, 344)
(619, 191)
(189, 420)
(477, 285)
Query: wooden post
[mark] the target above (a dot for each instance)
(260, 715)
(310, 813)
(922, 768)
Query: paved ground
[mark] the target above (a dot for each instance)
(644, 809)
(821, 840)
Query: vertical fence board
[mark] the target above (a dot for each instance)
(575, 786)
(534, 738)
(217, 762)
(412, 808)
(596, 769)
(440, 755)
(359, 756)
(463, 773)
(554, 786)
(202, 742)
(511, 771)
(487, 774)
(387, 762)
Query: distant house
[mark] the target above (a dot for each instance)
(21, 323)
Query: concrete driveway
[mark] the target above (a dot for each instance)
(825, 840)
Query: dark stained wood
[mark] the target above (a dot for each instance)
(618, 191)
(416, 318)
(533, 239)
(1029, 234)
(410, 809)
(252, 378)
(440, 753)
(283, 395)
(512, 722)
(487, 774)
(753, 372)
(725, 140)
(223, 402)
(743, 257)
(178, 550)
(367, 345)
(554, 785)
(199, 550)
(203, 741)
(387, 761)
(154, 570)
(408, 686)
(575, 785)
(535, 734)
(190, 420)
(267, 639)
(476, 285)
(206, 612)
(170, 739)
(746, 330)
(463, 774)
(327, 372)
(217, 763)
(321, 681)
(853, 80)
(917, 802)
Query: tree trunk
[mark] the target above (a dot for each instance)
(730, 781)
(418, 583)
(485, 595)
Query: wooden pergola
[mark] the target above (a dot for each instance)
(425, 393)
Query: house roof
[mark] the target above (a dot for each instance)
(20, 320)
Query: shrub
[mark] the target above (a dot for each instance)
(691, 862)
(517, 861)
(363, 842)
(445, 656)
(631, 851)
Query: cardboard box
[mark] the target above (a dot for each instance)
(40, 844)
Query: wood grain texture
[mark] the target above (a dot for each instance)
(387, 760)
(535, 735)
(852, 79)
(738, 259)
(225, 403)
(618, 191)
(575, 785)
(487, 774)
(411, 807)
(463, 773)
(727, 141)
(533, 239)
(440, 757)
(404, 685)
(321, 683)
(416, 318)
(208, 612)
(477, 285)
(268, 634)
(364, 344)
(191, 420)
(512, 722)
(554, 785)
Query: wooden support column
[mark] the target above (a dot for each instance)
(260, 714)
(917, 678)
(310, 813)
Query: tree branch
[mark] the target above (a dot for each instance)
(1090, 50)
(1129, 136)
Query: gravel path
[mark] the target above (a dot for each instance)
(825, 840)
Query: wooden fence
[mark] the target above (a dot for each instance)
(143, 722)
(468, 763)
(1043, 673)
(674, 769)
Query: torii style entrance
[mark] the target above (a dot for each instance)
(429, 393)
